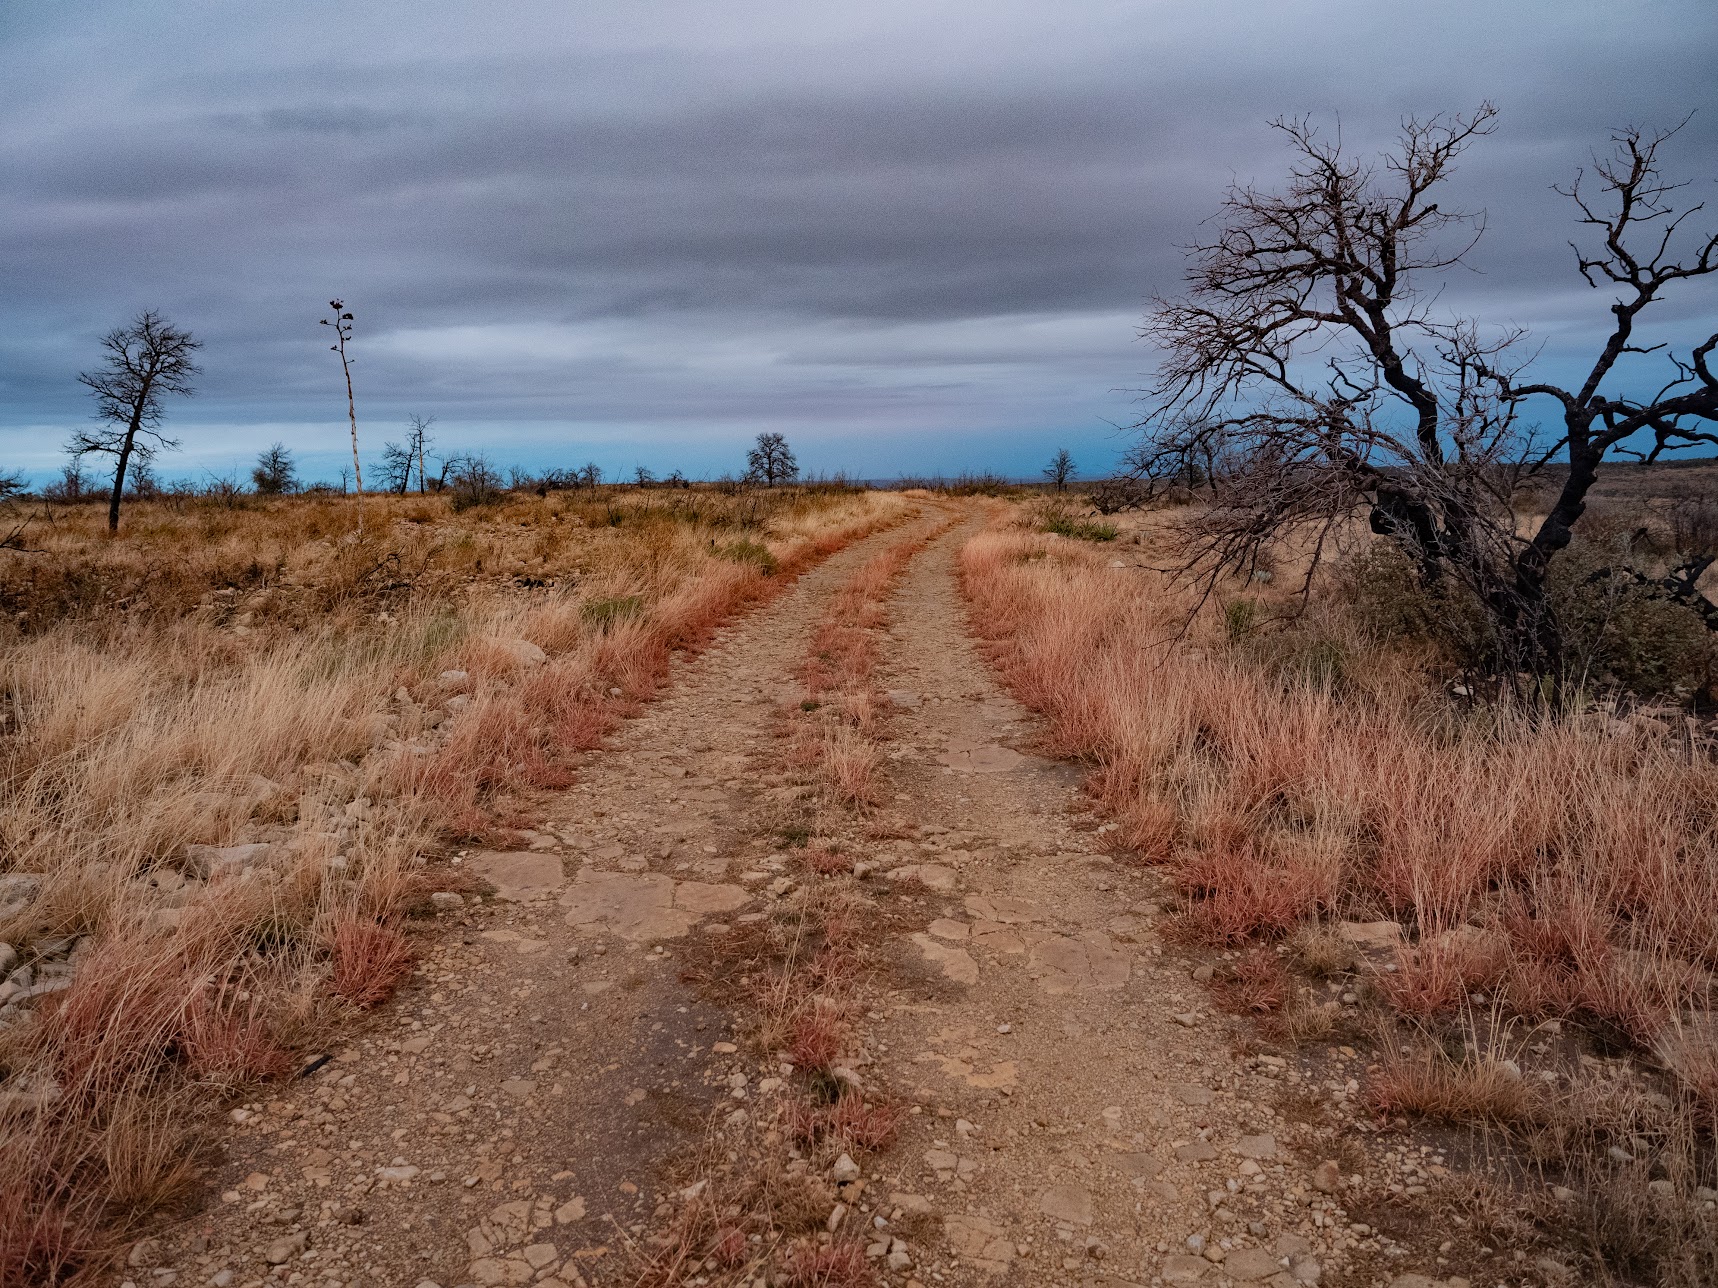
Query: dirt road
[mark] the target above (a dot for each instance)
(532, 1107)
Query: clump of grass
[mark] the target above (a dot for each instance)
(756, 554)
(608, 611)
(370, 960)
(1063, 525)
(1431, 1085)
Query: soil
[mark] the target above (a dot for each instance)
(543, 1099)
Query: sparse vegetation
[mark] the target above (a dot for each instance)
(235, 746)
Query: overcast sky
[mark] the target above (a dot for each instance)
(911, 236)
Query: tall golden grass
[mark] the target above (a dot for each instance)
(1564, 869)
(218, 677)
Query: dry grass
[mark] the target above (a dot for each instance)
(1537, 869)
(219, 677)
(1571, 868)
(841, 703)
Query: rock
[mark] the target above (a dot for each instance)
(19, 888)
(980, 1242)
(941, 1160)
(284, 1249)
(209, 862)
(397, 1172)
(453, 677)
(1144, 1166)
(1305, 1269)
(651, 906)
(520, 876)
(912, 1204)
(1371, 936)
(946, 928)
(539, 1255)
(447, 899)
(1080, 963)
(1256, 1147)
(1245, 1265)
(903, 698)
(8, 959)
(457, 703)
(933, 876)
(1002, 909)
(1069, 1204)
(956, 964)
(1191, 1094)
(1197, 1151)
(1179, 1268)
(572, 1210)
(988, 759)
(845, 1170)
(519, 1088)
(1327, 1177)
(525, 653)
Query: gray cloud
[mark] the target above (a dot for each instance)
(917, 236)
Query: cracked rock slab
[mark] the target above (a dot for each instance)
(1079, 963)
(521, 876)
(980, 1242)
(955, 963)
(645, 905)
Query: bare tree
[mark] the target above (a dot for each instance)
(342, 324)
(418, 441)
(1060, 469)
(398, 462)
(1309, 371)
(589, 475)
(275, 473)
(772, 461)
(146, 360)
(642, 477)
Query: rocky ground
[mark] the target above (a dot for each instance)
(560, 1080)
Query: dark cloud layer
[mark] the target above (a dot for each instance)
(916, 236)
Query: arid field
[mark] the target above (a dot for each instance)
(819, 886)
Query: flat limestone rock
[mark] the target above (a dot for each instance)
(1256, 1147)
(988, 759)
(997, 938)
(1249, 1265)
(519, 876)
(1003, 908)
(1179, 1268)
(1145, 1166)
(645, 905)
(980, 1242)
(1079, 963)
(1069, 1204)
(956, 963)
(702, 897)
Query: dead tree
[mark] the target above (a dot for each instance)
(342, 324)
(1060, 469)
(1309, 372)
(146, 360)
